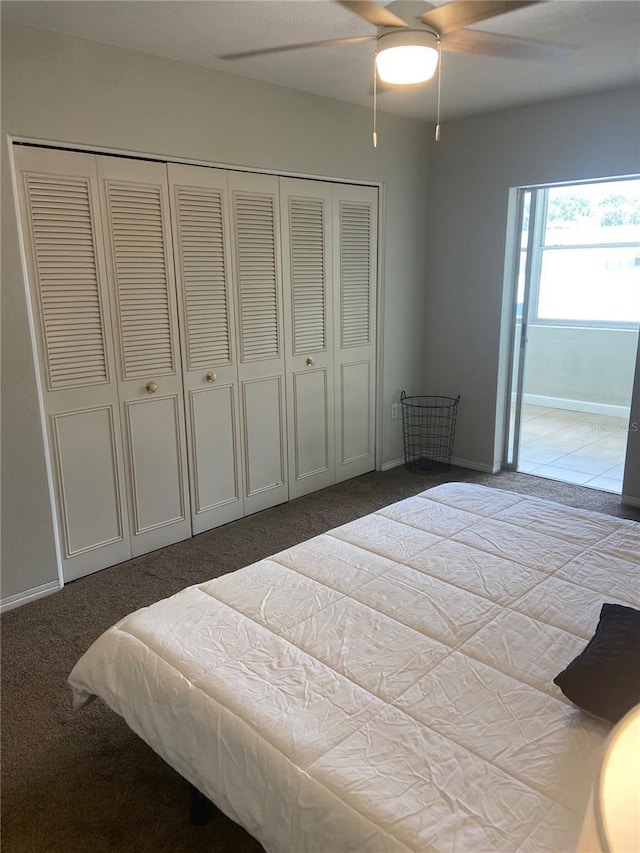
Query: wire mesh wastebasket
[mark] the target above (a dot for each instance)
(429, 427)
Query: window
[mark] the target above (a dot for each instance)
(586, 265)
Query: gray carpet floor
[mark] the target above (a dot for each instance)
(83, 781)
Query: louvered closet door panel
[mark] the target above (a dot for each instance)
(60, 219)
(139, 255)
(255, 222)
(201, 231)
(305, 214)
(355, 228)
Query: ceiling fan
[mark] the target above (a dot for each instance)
(444, 24)
(409, 53)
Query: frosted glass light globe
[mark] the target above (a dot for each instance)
(406, 57)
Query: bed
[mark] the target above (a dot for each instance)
(386, 686)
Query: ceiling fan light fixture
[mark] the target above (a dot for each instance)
(405, 57)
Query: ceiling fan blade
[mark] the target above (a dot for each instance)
(374, 14)
(246, 54)
(510, 47)
(462, 13)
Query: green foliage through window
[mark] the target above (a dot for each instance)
(564, 211)
(567, 209)
(619, 210)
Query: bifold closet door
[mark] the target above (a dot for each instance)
(305, 215)
(135, 213)
(276, 380)
(255, 223)
(201, 229)
(60, 216)
(355, 228)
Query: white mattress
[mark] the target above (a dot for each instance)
(386, 686)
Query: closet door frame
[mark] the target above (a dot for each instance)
(17, 139)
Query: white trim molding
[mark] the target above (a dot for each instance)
(631, 500)
(392, 463)
(36, 592)
(577, 405)
(476, 466)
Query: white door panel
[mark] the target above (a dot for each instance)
(264, 437)
(201, 229)
(255, 218)
(216, 463)
(61, 227)
(305, 213)
(355, 408)
(139, 258)
(312, 426)
(355, 226)
(156, 462)
(90, 507)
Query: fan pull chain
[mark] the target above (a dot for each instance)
(375, 101)
(439, 84)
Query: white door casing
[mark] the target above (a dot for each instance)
(201, 230)
(135, 213)
(355, 228)
(60, 215)
(305, 215)
(255, 219)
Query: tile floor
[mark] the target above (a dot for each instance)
(574, 447)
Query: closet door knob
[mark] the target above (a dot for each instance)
(151, 387)
(210, 377)
(310, 361)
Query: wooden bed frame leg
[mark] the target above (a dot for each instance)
(200, 808)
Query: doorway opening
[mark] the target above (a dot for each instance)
(576, 315)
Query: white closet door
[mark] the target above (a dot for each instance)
(60, 216)
(140, 266)
(355, 228)
(261, 351)
(200, 219)
(305, 214)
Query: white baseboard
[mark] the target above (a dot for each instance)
(577, 405)
(392, 463)
(476, 466)
(628, 499)
(19, 598)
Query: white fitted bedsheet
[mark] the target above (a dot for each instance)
(386, 686)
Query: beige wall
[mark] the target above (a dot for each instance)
(72, 90)
(471, 171)
(580, 363)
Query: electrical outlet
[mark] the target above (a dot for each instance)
(394, 411)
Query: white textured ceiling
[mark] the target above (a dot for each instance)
(604, 33)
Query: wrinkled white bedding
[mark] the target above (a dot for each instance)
(386, 686)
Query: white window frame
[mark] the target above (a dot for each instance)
(538, 247)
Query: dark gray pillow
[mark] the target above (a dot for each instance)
(604, 679)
